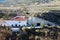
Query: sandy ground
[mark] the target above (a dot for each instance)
(1, 20)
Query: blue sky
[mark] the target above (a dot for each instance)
(2, 0)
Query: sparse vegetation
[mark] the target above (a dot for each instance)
(1, 15)
(41, 33)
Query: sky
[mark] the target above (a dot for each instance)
(2, 0)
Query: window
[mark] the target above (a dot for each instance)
(38, 24)
(49, 24)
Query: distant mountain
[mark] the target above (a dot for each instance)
(16, 2)
(27, 1)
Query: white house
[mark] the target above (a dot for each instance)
(35, 20)
(14, 22)
(18, 20)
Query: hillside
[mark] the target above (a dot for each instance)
(18, 2)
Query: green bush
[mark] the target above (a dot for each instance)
(5, 16)
(1, 15)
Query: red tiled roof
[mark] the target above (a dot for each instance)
(20, 18)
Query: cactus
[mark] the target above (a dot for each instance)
(34, 25)
(42, 25)
(31, 27)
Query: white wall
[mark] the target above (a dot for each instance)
(10, 22)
